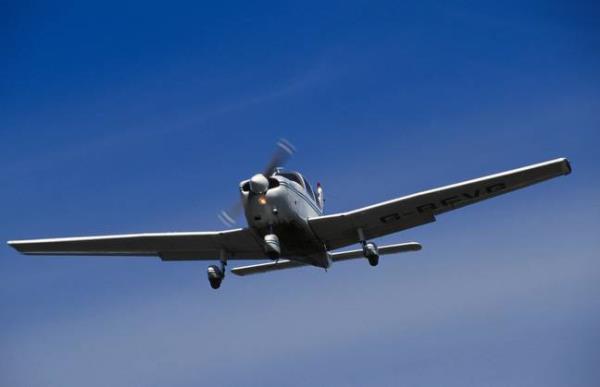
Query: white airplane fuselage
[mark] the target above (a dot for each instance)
(284, 210)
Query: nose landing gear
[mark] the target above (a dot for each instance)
(272, 247)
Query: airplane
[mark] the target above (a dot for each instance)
(287, 225)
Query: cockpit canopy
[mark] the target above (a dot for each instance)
(299, 179)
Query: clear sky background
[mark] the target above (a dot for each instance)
(122, 117)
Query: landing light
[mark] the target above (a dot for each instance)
(262, 200)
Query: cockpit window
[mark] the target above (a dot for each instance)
(298, 178)
(293, 177)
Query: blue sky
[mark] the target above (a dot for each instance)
(121, 117)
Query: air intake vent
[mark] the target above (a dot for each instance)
(273, 183)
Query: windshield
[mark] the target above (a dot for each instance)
(295, 177)
(298, 178)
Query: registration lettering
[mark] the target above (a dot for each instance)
(450, 201)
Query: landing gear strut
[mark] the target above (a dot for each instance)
(370, 250)
(216, 273)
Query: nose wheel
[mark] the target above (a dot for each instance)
(217, 273)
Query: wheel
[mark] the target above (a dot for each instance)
(215, 283)
(374, 261)
(215, 276)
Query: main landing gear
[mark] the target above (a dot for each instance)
(215, 276)
(217, 273)
(370, 250)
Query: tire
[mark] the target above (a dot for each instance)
(215, 283)
(374, 261)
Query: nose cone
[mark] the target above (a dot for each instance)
(259, 184)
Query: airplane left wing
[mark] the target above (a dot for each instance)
(339, 230)
(238, 244)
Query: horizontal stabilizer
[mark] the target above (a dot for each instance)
(283, 264)
(383, 250)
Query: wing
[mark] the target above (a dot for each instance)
(238, 243)
(339, 230)
(284, 264)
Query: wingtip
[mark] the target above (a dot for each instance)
(415, 246)
(15, 245)
(567, 166)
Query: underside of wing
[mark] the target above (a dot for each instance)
(339, 230)
(237, 243)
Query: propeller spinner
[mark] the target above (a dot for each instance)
(259, 183)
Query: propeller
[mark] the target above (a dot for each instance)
(282, 154)
(259, 183)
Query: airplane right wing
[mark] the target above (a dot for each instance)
(339, 230)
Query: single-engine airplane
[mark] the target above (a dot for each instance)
(286, 223)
